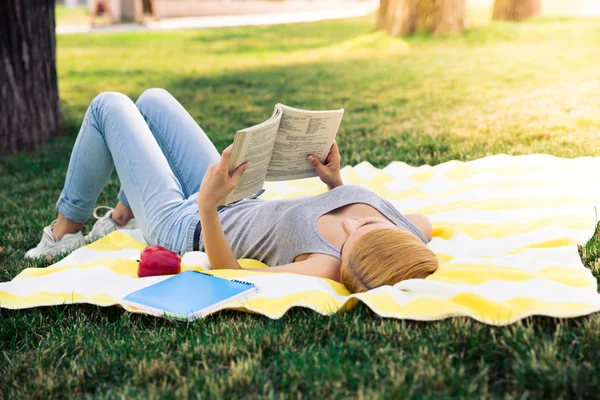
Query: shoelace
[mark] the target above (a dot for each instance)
(98, 208)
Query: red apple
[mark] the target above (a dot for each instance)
(156, 260)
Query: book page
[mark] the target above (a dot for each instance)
(255, 145)
(302, 132)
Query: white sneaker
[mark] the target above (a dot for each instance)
(50, 247)
(106, 225)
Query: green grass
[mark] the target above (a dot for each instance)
(502, 88)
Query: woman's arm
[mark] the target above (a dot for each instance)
(217, 183)
(329, 172)
(216, 245)
(319, 265)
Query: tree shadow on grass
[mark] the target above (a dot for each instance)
(281, 38)
(381, 123)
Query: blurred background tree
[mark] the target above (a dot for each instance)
(29, 105)
(404, 17)
(516, 10)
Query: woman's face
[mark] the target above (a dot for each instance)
(355, 228)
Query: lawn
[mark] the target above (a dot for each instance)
(499, 88)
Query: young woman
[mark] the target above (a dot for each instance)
(172, 178)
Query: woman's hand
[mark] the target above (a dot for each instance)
(330, 171)
(217, 182)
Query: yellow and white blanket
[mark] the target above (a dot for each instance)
(505, 231)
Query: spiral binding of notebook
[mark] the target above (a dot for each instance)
(242, 282)
(200, 272)
(230, 280)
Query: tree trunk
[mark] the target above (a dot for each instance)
(382, 14)
(29, 105)
(516, 10)
(404, 17)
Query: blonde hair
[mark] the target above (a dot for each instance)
(385, 257)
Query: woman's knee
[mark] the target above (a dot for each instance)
(110, 100)
(151, 98)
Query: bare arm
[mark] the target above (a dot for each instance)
(217, 183)
(216, 245)
(329, 172)
(319, 265)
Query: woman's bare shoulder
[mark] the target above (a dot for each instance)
(422, 223)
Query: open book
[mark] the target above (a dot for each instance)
(277, 148)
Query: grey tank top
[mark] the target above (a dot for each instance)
(276, 231)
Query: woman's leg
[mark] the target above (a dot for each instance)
(115, 133)
(122, 214)
(186, 147)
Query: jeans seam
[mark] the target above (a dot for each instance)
(163, 244)
(177, 168)
(190, 235)
(68, 184)
(107, 117)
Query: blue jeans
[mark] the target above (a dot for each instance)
(160, 154)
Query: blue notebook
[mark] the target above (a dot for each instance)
(188, 295)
